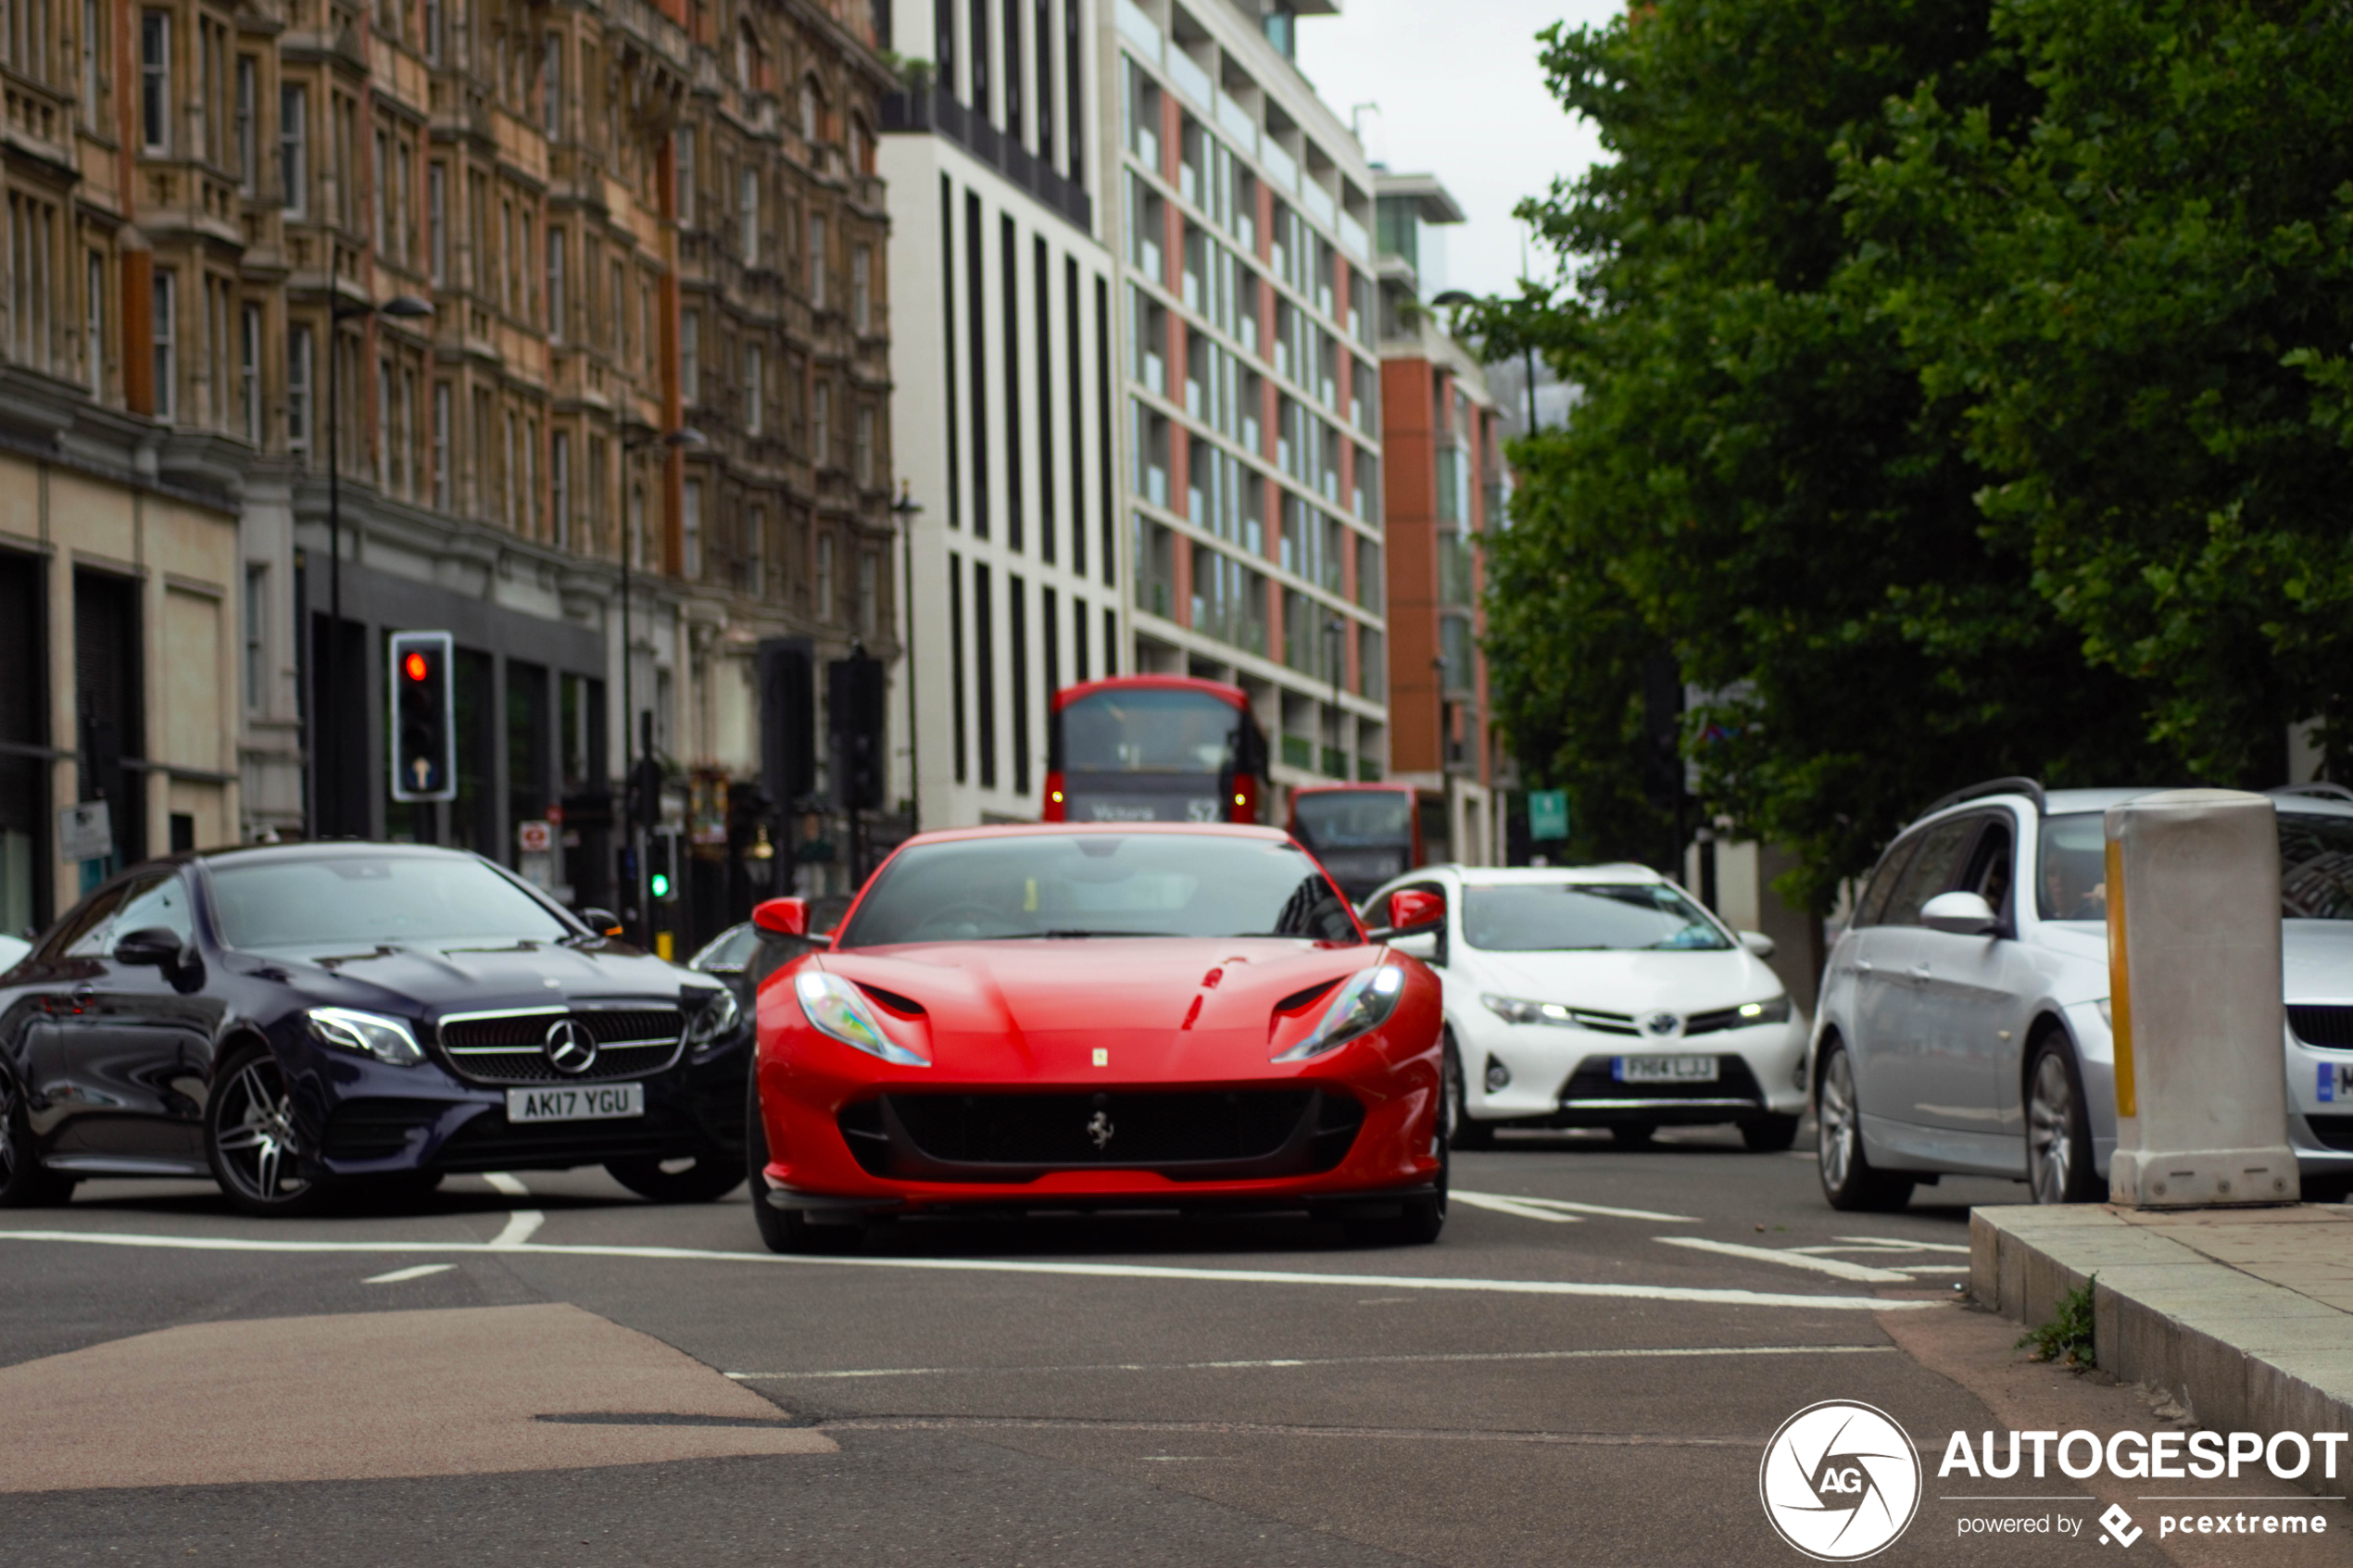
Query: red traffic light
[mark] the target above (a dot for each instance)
(415, 667)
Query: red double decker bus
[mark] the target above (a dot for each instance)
(1153, 749)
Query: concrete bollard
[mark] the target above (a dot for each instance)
(2194, 976)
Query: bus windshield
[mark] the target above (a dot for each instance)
(1364, 837)
(1150, 729)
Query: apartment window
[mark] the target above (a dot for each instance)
(248, 86)
(1074, 379)
(976, 323)
(869, 596)
(522, 265)
(551, 84)
(1078, 642)
(690, 528)
(755, 391)
(257, 609)
(381, 229)
(685, 195)
(559, 488)
(618, 313)
(509, 468)
(861, 291)
(443, 458)
(434, 41)
(166, 342)
(1042, 279)
(1017, 651)
(821, 425)
(556, 284)
(747, 215)
(985, 674)
(249, 370)
(93, 321)
(825, 578)
(689, 355)
(93, 35)
(1009, 260)
(437, 221)
(956, 658)
(817, 261)
(756, 552)
(32, 239)
(862, 449)
(507, 255)
(155, 81)
(294, 161)
(298, 368)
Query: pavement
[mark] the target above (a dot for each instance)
(544, 1370)
(2242, 1317)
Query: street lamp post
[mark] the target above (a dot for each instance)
(906, 510)
(686, 439)
(404, 308)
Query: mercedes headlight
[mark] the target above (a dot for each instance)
(370, 1033)
(835, 1009)
(713, 1021)
(1512, 1010)
(1363, 1005)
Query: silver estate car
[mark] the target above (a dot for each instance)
(1963, 1023)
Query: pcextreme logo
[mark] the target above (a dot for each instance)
(1840, 1481)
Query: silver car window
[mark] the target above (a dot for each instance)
(1931, 870)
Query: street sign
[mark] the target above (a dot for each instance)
(534, 838)
(85, 832)
(1547, 813)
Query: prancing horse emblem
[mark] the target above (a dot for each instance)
(1099, 1129)
(570, 1047)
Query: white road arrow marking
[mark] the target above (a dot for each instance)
(521, 1222)
(1487, 1199)
(1515, 1206)
(1836, 1267)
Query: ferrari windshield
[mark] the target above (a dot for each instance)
(1099, 884)
(1586, 917)
(364, 901)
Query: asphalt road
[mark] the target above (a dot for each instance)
(1584, 1370)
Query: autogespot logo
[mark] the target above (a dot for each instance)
(1840, 1481)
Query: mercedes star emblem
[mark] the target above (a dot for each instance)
(570, 1047)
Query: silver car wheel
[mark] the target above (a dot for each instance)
(255, 1134)
(2050, 1130)
(1834, 1121)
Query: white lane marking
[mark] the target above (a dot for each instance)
(1893, 1242)
(414, 1270)
(523, 1222)
(1837, 1267)
(1513, 1206)
(1562, 1203)
(1004, 1266)
(1328, 1360)
(1931, 1268)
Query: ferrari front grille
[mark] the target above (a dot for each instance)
(1230, 1134)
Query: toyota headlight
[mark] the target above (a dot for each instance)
(713, 1021)
(1773, 1010)
(1512, 1010)
(1362, 1006)
(835, 1008)
(389, 1040)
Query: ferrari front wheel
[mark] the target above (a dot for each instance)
(782, 1230)
(1418, 1221)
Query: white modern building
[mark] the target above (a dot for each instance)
(1136, 385)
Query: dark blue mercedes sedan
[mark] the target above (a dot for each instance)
(294, 1020)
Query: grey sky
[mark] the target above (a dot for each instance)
(1462, 97)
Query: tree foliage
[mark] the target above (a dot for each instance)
(1952, 406)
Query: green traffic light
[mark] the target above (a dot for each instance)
(661, 885)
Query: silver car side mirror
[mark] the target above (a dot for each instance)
(1758, 942)
(1959, 914)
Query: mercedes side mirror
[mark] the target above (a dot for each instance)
(154, 946)
(1961, 914)
(1758, 942)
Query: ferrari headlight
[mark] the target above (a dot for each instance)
(1512, 1010)
(1362, 1006)
(714, 1021)
(370, 1033)
(835, 1008)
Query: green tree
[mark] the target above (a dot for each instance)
(2138, 304)
(1754, 473)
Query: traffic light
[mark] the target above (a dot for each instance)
(659, 859)
(645, 793)
(424, 723)
(854, 703)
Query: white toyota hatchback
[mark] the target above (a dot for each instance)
(1600, 996)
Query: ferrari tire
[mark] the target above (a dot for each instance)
(707, 1178)
(782, 1230)
(1850, 1181)
(1768, 1134)
(23, 1182)
(1418, 1222)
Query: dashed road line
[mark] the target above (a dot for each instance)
(1613, 1355)
(1624, 1292)
(414, 1270)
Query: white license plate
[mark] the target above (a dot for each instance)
(1666, 1069)
(577, 1102)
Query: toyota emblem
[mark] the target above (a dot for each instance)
(1661, 1024)
(570, 1047)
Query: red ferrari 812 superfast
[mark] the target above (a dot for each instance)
(1098, 1017)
